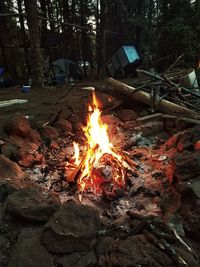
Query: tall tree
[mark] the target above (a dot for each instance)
(23, 31)
(6, 39)
(35, 42)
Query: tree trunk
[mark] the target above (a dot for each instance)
(84, 37)
(35, 43)
(7, 52)
(25, 45)
(50, 15)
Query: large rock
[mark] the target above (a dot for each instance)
(187, 165)
(32, 205)
(137, 250)
(48, 132)
(30, 253)
(4, 244)
(71, 228)
(17, 125)
(134, 251)
(78, 260)
(63, 126)
(10, 170)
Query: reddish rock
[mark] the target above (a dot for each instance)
(34, 137)
(197, 145)
(54, 145)
(17, 140)
(48, 132)
(111, 120)
(28, 158)
(9, 169)
(17, 125)
(127, 115)
(63, 126)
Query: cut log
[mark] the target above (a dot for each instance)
(144, 97)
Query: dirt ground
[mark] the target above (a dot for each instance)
(43, 102)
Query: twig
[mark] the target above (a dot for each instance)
(175, 62)
(53, 118)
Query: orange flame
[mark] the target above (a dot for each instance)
(98, 144)
(76, 154)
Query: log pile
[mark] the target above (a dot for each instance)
(161, 93)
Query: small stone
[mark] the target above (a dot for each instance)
(72, 228)
(127, 115)
(32, 205)
(30, 253)
(9, 170)
(54, 145)
(17, 125)
(34, 137)
(111, 120)
(28, 157)
(48, 132)
(63, 126)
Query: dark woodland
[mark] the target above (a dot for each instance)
(34, 32)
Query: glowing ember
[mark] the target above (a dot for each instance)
(98, 145)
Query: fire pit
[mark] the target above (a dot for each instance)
(111, 192)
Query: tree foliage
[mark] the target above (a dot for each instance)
(92, 30)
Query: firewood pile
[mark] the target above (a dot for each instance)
(49, 218)
(163, 93)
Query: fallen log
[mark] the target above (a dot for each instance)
(156, 76)
(165, 106)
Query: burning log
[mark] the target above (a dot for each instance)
(164, 105)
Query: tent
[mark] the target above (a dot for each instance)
(5, 79)
(64, 69)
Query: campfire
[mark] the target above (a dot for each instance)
(134, 172)
(99, 152)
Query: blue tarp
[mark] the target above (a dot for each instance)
(131, 53)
